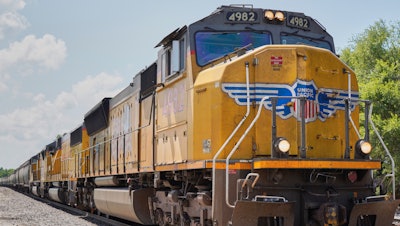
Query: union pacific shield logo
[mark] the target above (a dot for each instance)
(321, 103)
(308, 90)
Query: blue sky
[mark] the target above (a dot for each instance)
(60, 58)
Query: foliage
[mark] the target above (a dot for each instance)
(374, 55)
(5, 172)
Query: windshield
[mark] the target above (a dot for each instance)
(294, 39)
(212, 45)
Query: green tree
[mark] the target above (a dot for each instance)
(5, 172)
(374, 55)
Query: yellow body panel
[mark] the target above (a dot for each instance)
(124, 124)
(76, 165)
(146, 152)
(35, 172)
(98, 146)
(66, 159)
(84, 160)
(325, 138)
(56, 166)
(171, 127)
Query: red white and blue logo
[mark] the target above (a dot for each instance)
(321, 103)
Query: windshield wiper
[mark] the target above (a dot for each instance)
(237, 50)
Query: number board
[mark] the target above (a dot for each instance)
(242, 17)
(299, 22)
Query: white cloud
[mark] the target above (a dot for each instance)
(16, 158)
(3, 85)
(10, 20)
(88, 92)
(11, 5)
(31, 54)
(38, 124)
(46, 52)
(96, 87)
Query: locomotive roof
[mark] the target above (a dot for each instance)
(220, 18)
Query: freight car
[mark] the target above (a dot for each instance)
(247, 117)
(19, 179)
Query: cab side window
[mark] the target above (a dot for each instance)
(172, 59)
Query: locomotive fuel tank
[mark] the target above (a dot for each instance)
(128, 204)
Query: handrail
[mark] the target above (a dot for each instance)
(346, 128)
(244, 184)
(368, 114)
(387, 152)
(235, 148)
(354, 125)
(230, 137)
(349, 109)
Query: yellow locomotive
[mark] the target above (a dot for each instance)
(247, 117)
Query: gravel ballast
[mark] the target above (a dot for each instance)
(18, 209)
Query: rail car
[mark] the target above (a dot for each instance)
(247, 117)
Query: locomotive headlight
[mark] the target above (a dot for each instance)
(279, 16)
(363, 147)
(282, 145)
(269, 15)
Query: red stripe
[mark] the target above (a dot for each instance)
(310, 108)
